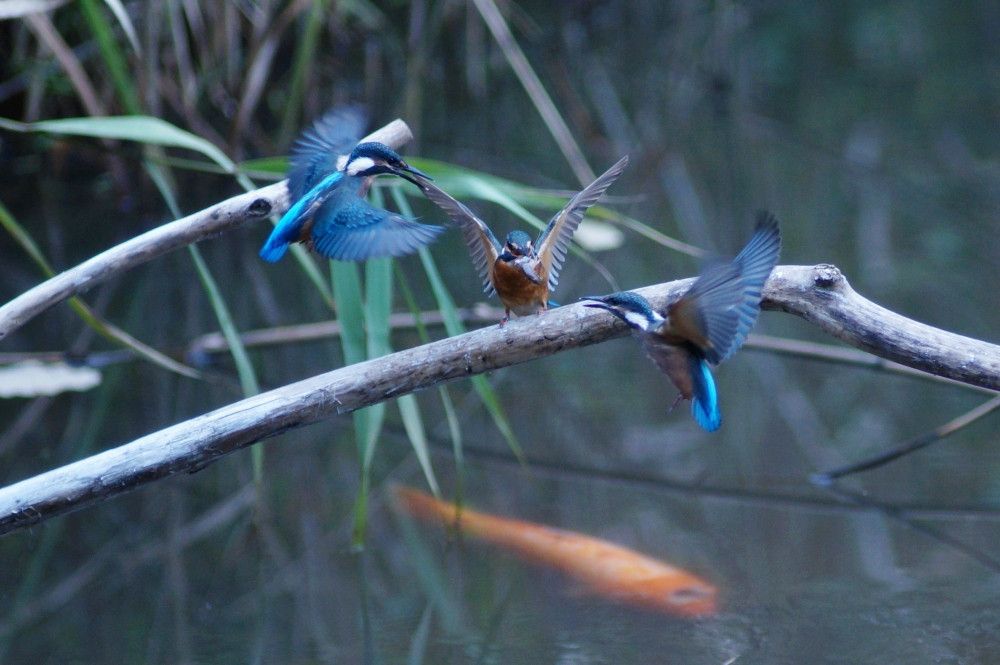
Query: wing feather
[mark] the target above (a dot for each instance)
(347, 228)
(484, 248)
(553, 241)
(755, 262)
(722, 306)
(315, 152)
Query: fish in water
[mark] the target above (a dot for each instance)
(605, 568)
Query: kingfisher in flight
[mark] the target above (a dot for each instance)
(707, 324)
(329, 212)
(522, 273)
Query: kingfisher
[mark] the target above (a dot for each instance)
(522, 273)
(707, 324)
(329, 212)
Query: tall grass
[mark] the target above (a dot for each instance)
(222, 71)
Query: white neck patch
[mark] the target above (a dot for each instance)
(637, 320)
(360, 164)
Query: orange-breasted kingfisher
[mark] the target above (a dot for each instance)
(328, 211)
(707, 324)
(522, 273)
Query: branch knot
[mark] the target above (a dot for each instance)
(827, 276)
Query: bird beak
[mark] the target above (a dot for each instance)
(405, 168)
(595, 302)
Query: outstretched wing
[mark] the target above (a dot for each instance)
(755, 262)
(293, 224)
(721, 307)
(707, 314)
(484, 248)
(316, 150)
(347, 228)
(552, 242)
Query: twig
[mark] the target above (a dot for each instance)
(827, 477)
(208, 223)
(845, 356)
(819, 294)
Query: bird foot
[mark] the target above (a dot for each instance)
(677, 400)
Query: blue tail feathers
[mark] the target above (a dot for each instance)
(705, 403)
(273, 249)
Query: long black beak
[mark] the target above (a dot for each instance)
(405, 168)
(595, 302)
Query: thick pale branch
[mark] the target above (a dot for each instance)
(819, 294)
(202, 225)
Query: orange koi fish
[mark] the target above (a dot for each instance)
(606, 568)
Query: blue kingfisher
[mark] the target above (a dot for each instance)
(329, 212)
(522, 273)
(707, 324)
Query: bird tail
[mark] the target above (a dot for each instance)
(705, 403)
(273, 249)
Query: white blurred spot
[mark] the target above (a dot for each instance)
(596, 236)
(32, 378)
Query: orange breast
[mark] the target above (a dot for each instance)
(517, 291)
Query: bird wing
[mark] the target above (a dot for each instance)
(755, 262)
(347, 228)
(291, 226)
(554, 239)
(721, 307)
(316, 150)
(707, 314)
(484, 248)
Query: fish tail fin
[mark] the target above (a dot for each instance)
(705, 403)
(423, 506)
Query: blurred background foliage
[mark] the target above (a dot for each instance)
(870, 129)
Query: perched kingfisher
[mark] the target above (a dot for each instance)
(522, 273)
(329, 212)
(708, 324)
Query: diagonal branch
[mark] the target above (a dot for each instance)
(225, 216)
(819, 294)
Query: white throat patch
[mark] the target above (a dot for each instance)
(637, 320)
(360, 164)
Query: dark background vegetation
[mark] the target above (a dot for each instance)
(870, 129)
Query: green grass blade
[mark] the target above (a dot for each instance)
(378, 306)
(451, 416)
(103, 328)
(114, 59)
(305, 57)
(367, 422)
(467, 183)
(244, 368)
(149, 130)
(118, 9)
(409, 410)
(24, 239)
(453, 326)
(139, 128)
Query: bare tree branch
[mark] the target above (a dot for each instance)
(822, 295)
(819, 294)
(208, 223)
